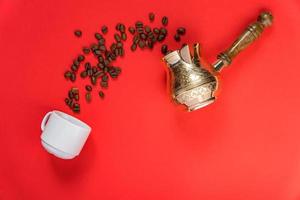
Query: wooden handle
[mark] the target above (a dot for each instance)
(252, 32)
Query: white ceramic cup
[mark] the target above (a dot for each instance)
(63, 135)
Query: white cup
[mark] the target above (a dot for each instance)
(63, 135)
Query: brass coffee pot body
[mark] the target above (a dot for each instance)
(193, 85)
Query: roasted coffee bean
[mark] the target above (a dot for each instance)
(177, 37)
(164, 21)
(88, 97)
(180, 31)
(113, 46)
(87, 66)
(143, 36)
(100, 59)
(78, 33)
(122, 28)
(119, 45)
(151, 16)
(101, 41)
(133, 47)
(88, 88)
(94, 47)
(141, 44)
(161, 37)
(163, 31)
(94, 69)
(136, 39)
(131, 29)
(147, 29)
(86, 50)
(105, 69)
(80, 58)
(164, 49)
(70, 94)
(90, 72)
(98, 36)
(83, 74)
(67, 100)
(156, 30)
(67, 74)
(97, 52)
(76, 62)
(101, 94)
(76, 109)
(139, 24)
(118, 26)
(74, 90)
(100, 65)
(106, 62)
(121, 52)
(104, 78)
(117, 37)
(99, 74)
(104, 84)
(73, 77)
(150, 44)
(74, 68)
(123, 36)
(76, 97)
(104, 29)
(102, 48)
(93, 80)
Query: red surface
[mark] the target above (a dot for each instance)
(244, 146)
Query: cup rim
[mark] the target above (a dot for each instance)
(80, 124)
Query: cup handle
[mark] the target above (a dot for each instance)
(46, 117)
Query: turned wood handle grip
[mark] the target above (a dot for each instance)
(252, 32)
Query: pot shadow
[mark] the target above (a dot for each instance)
(69, 170)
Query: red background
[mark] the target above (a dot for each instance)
(244, 146)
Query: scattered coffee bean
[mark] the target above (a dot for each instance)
(147, 29)
(76, 96)
(78, 33)
(67, 74)
(93, 80)
(67, 100)
(141, 44)
(101, 94)
(80, 58)
(88, 97)
(123, 36)
(88, 88)
(163, 31)
(164, 21)
(180, 31)
(139, 24)
(133, 47)
(177, 37)
(86, 50)
(122, 28)
(74, 68)
(73, 77)
(104, 84)
(156, 30)
(117, 37)
(131, 30)
(104, 29)
(164, 49)
(83, 74)
(151, 16)
(98, 36)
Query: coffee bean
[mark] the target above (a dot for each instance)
(104, 29)
(147, 29)
(143, 36)
(76, 97)
(76, 109)
(123, 36)
(105, 69)
(139, 24)
(177, 37)
(99, 74)
(122, 28)
(80, 58)
(151, 16)
(67, 100)
(136, 39)
(164, 21)
(94, 69)
(93, 80)
(119, 45)
(73, 77)
(121, 52)
(87, 66)
(100, 59)
(98, 36)
(118, 26)
(97, 52)
(117, 37)
(70, 94)
(83, 74)
(86, 50)
(76, 62)
(141, 44)
(102, 48)
(133, 47)
(161, 37)
(74, 90)
(104, 78)
(78, 33)
(156, 30)
(67, 74)
(131, 30)
(150, 44)
(101, 94)
(104, 84)
(163, 31)
(164, 49)
(180, 31)
(88, 88)
(88, 97)
(90, 72)
(74, 68)
(106, 62)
